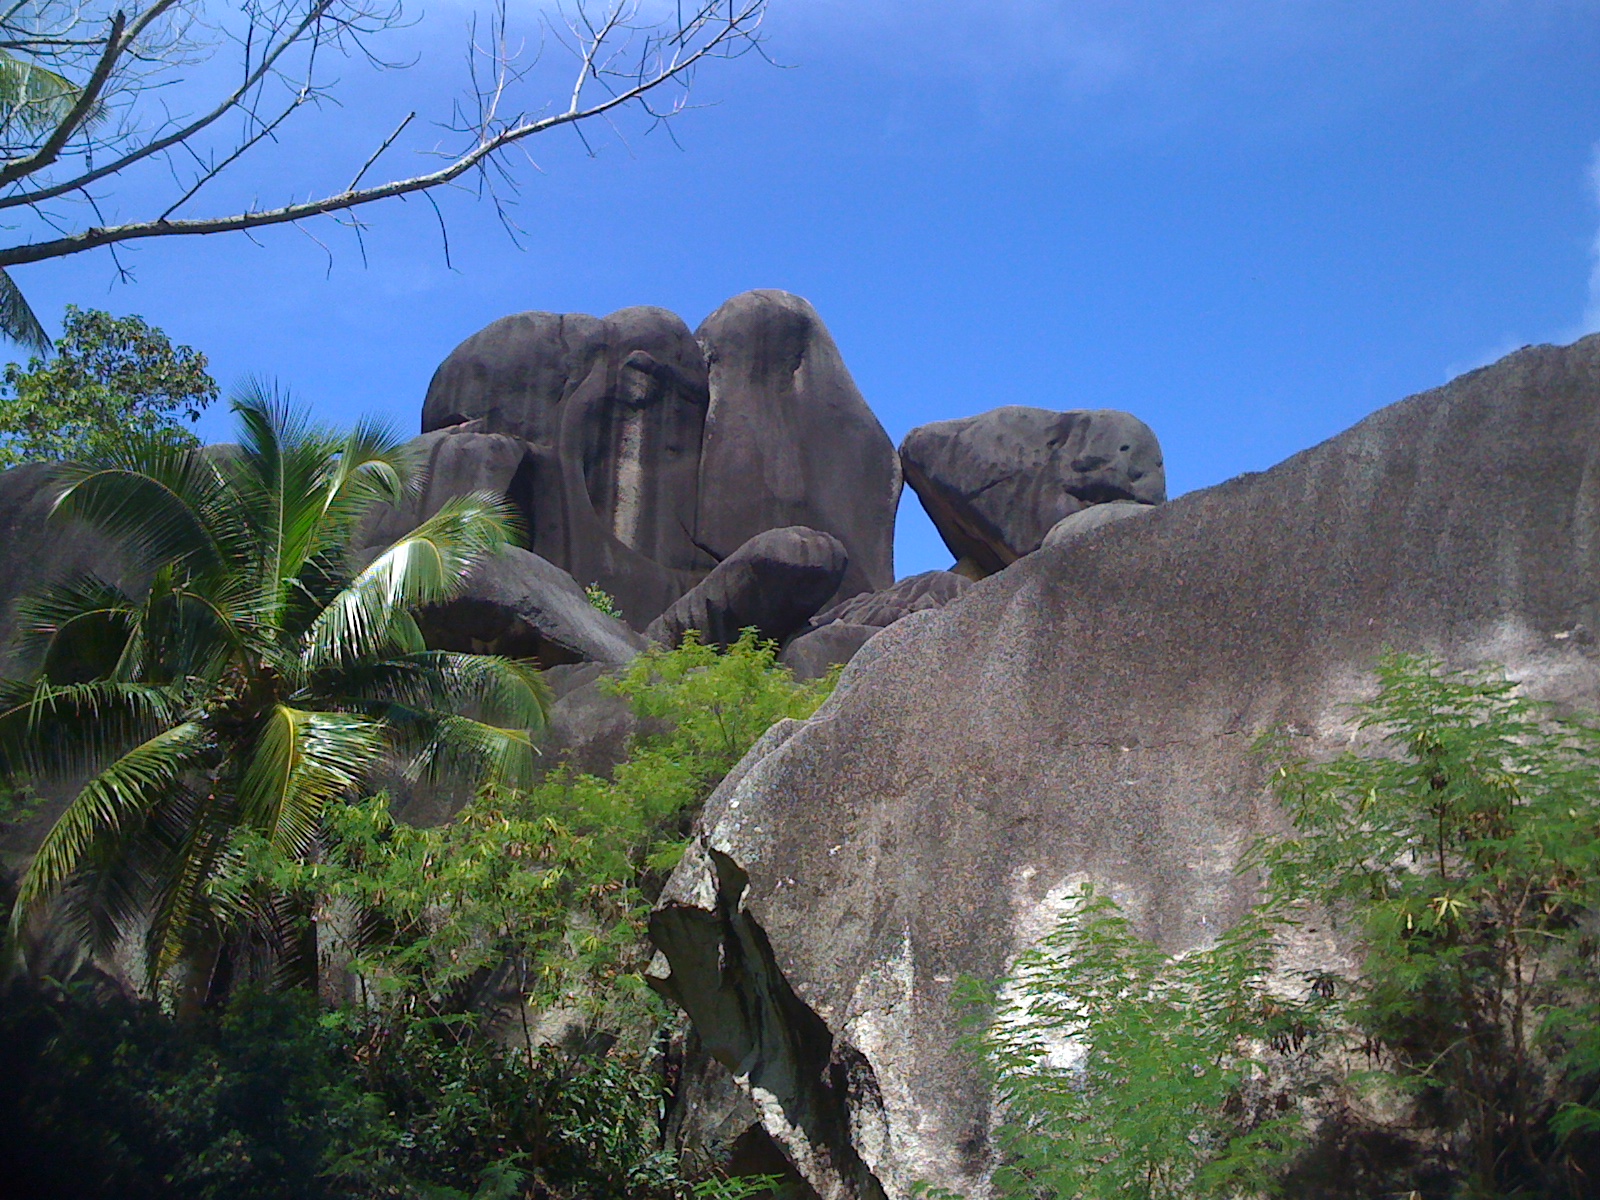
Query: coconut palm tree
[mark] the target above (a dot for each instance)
(258, 679)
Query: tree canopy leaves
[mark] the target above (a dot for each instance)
(111, 377)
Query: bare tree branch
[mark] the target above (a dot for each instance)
(124, 65)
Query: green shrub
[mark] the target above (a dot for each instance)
(115, 1099)
(1461, 865)
(530, 902)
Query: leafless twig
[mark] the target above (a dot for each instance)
(116, 72)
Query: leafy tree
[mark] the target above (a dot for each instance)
(1465, 866)
(253, 684)
(110, 377)
(107, 1097)
(1122, 1071)
(1462, 867)
(537, 897)
(532, 904)
(430, 1083)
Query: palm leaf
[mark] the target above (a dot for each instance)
(453, 746)
(60, 730)
(78, 625)
(17, 320)
(34, 99)
(503, 692)
(119, 797)
(119, 881)
(301, 761)
(282, 474)
(428, 566)
(373, 466)
(155, 502)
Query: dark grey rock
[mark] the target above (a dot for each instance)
(790, 441)
(773, 582)
(519, 605)
(813, 653)
(931, 589)
(451, 462)
(612, 412)
(36, 550)
(994, 484)
(568, 677)
(513, 374)
(1087, 520)
(1086, 717)
(590, 728)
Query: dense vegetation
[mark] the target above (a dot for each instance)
(231, 972)
(108, 376)
(1456, 1055)
(490, 1030)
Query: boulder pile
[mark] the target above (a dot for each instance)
(725, 479)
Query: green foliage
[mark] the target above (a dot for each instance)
(110, 377)
(549, 886)
(1462, 867)
(253, 686)
(1465, 865)
(530, 904)
(602, 600)
(715, 704)
(1123, 1071)
(111, 1098)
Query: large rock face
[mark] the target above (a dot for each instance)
(35, 551)
(647, 460)
(612, 413)
(773, 584)
(994, 484)
(790, 441)
(451, 462)
(1087, 715)
(518, 605)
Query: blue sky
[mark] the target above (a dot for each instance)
(1249, 223)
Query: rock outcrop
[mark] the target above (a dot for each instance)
(914, 593)
(790, 441)
(831, 638)
(612, 414)
(452, 462)
(518, 605)
(995, 484)
(772, 583)
(645, 459)
(813, 653)
(1087, 520)
(1087, 716)
(35, 551)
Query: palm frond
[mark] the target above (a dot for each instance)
(282, 473)
(54, 731)
(119, 881)
(34, 99)
(153, 501)
(450, 746)
(505, 692)
(428, 566)
(299, 762)
(373, 466)
(122, 795)
(17, 320)
(75, 627)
